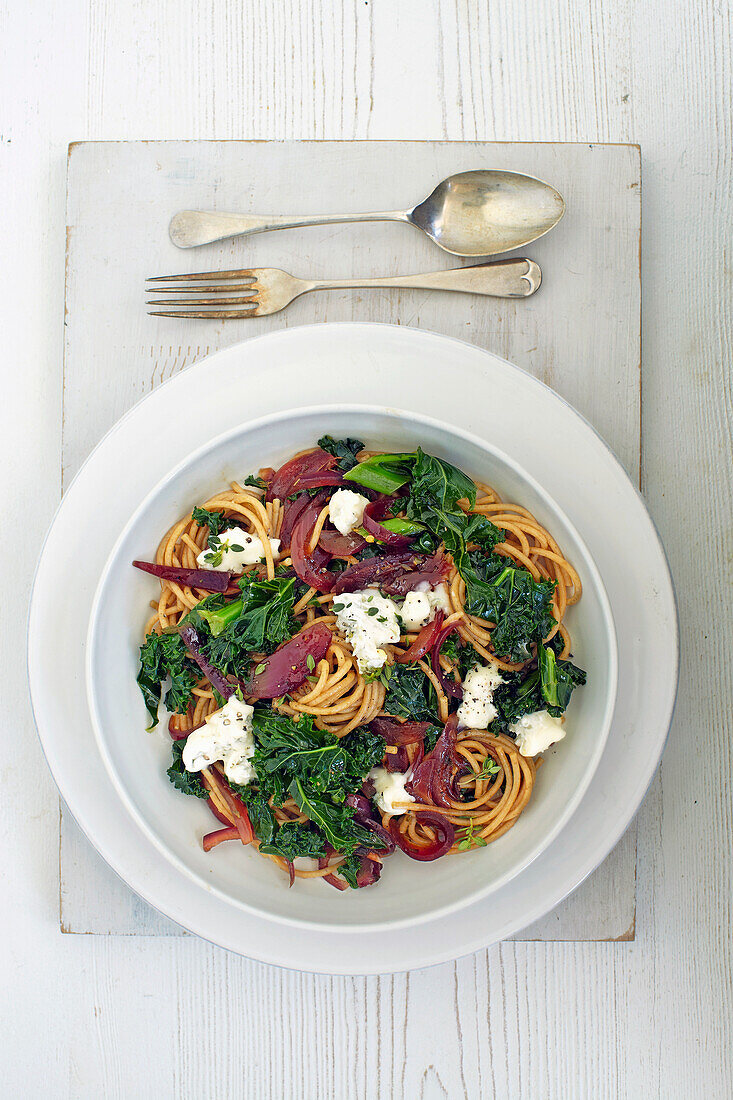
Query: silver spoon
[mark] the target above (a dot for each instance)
(478, 213)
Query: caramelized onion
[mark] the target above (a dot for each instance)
(424, 641)
(338, 545)
(192, 641)
(288, 666)
(396, 574)
(212, 839)
(433, 780)
(287, 479)
(399, 733)
(449, 686)
(210, 580)
(310, 567)
(436, 848)
(377, 510)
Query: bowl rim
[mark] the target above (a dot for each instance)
(348, 408)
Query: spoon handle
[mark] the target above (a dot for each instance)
(189, 228)
(503, 279)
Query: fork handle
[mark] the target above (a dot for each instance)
(189, 228)
(502, 279)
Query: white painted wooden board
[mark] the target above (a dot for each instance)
(580, 333)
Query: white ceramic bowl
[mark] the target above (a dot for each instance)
(408, 892)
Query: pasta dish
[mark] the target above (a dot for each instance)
(359, 652)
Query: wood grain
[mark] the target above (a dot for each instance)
(106, 1016)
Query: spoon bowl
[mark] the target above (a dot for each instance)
(484, 213)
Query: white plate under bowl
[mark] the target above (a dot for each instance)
(408, 892)
(357, 363)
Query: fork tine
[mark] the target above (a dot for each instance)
(203, 301)
(215, 314)
(247, 288)
(245, 273)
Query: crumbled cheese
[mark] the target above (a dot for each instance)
(421, 604)
(234, 549)
(416, 610)
(389, 789)
(368, 621)
(477, 711)
(536, 732)
(346, 510)
(227, 736)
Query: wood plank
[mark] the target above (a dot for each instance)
(537, 334)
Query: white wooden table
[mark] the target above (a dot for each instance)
(136, 1016)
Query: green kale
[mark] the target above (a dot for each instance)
(336, 822)
(294, 839)
(365, 751)
(410, 694)
(436, 488)
(547, 687)
(349, 869)
(557, 679)
(327, 765)
(499, 590)
(463, 657)
(260, 814)
(257, 622)
(345, 450)
(431, 736)
(255, 482)
(163, 656)
(215, 521)
(188, 782)
(518, 695)
(383, 473)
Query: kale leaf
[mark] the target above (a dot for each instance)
(327, 765)
(188, 782)
(336, 822)
(365, 751)
(255, 482)
(410, 694)
(256, 622)
(163, 656)
(499, 590)
(436, 488)
(349, 869)
(258, 808)
(557, 679)
(345, 450)
(215, 521)
(294, 839)
(519, 694)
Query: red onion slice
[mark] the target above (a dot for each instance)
(432, 780)
(212, 839)
(399, 733)
(292, 510)
(210, 580)
(287, 668)
(192, 642)
(424, 641)
(286, 480)
(434, 850)
(377, 510)
(449, 686)
(338, 545)
(310, 566)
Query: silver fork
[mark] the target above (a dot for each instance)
(259, 291)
